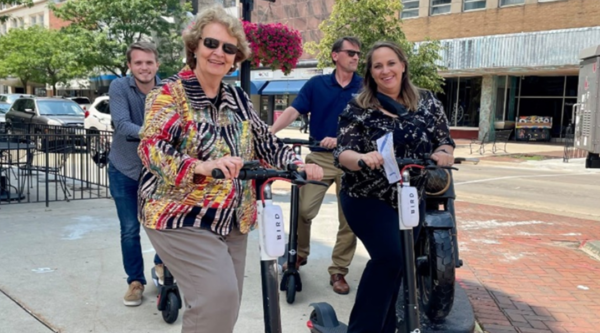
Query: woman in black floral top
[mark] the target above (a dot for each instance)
(419, 127)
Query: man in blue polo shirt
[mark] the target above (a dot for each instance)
(325, 97)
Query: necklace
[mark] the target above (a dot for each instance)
(215, 99)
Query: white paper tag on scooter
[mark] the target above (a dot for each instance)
(385, 146)
(408, 207)
(273, 232)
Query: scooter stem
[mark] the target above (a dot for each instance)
(411, 315)
(269, 279)
(270, 289)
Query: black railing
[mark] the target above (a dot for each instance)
(41, 163)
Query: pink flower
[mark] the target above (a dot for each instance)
(274, 45)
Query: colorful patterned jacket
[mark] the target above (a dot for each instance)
(182, 128)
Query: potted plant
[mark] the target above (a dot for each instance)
(273, 45)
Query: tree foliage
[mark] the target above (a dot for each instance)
(37, 54)
(17, 57)
(372, 21)
(110, 27)
(4, 18)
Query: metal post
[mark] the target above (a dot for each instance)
(247, 6)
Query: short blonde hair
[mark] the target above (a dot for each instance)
(215, 14)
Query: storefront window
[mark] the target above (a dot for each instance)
(461, 100)
(550, 97)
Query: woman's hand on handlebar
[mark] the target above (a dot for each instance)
(443, 158)
(230, 165)
(373, 159)
(313, 172)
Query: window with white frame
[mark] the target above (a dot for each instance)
(440, 7)
(21, 22)
(410, 8)
(41, 19)
(511, 2)
(33, 20)
(473, 5)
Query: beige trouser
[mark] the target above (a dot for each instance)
(209, 270)
(311, 198)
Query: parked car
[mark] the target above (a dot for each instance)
(11, 98)
(97, 117)
(3, 110)
(83, 102)
(48, 119)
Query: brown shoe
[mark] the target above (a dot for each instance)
(300, 261)
(339, 284)
(133, 297)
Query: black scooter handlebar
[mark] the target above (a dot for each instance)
(246, 174)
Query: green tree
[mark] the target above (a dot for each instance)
(372, 21)
(110, 27)
(4, 18)
(19, 55)
(59, 57)
(40, 55)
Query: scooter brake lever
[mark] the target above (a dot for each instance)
(250, 165)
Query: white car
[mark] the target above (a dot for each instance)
(97, 117)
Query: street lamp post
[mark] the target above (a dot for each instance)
(247, 6)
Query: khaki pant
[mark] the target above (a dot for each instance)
(209, 270)
(311, 198)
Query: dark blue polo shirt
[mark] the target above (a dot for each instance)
(324, 98)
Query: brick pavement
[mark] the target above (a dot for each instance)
(524, 271)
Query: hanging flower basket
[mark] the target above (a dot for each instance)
(273, 45)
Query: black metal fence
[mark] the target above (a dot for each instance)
(40, 163)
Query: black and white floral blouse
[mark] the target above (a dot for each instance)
(420, 133)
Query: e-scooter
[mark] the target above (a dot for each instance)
(272, 231)
(323, 318)
(291, 281)
(168, 300)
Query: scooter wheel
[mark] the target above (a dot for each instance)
(171, 310)
(291, 289)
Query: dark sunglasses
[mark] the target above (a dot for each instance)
(351, 53)
(213, 44)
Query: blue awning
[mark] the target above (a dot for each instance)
(233, 75)
(283, 87)
(255, 87)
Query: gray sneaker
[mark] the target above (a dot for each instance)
(133, 297)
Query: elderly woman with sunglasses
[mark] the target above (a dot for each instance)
(195, 123)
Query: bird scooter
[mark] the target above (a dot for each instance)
(168, 301)
(271, 229)
(291, 281)
(323, 318)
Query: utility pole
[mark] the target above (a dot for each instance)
(247, 7)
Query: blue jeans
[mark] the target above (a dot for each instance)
(124, 191)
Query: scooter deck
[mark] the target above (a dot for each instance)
(461, 318)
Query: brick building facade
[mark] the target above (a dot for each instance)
(504, 59)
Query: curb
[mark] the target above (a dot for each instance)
(478, 328)
(592, 248)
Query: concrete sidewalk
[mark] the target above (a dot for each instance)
(62, 269)
(62, 272)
